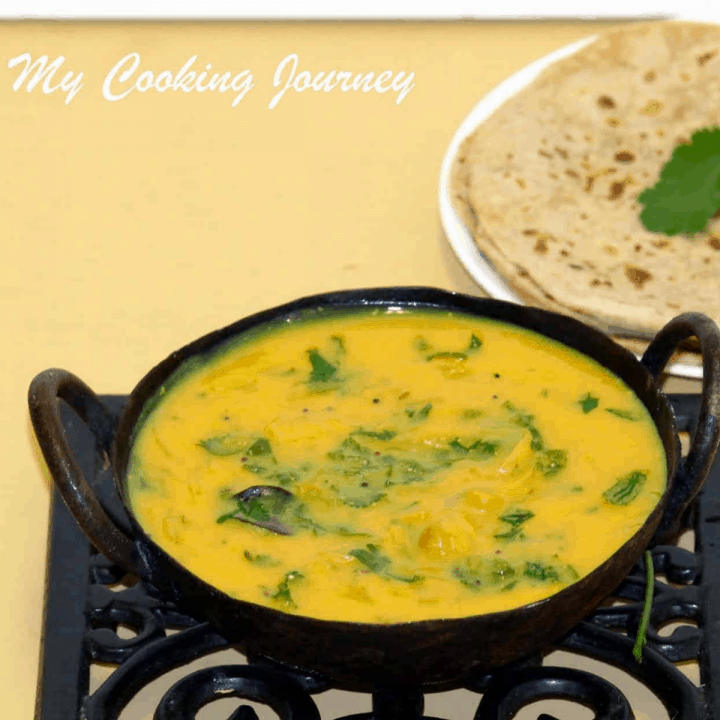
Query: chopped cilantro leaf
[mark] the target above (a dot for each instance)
(687, 194)
(516, 519)
(223, 445)
(282, 594)
(475, 342)
(624, 414)
(260, 447)
(626, 489)
(376, 434)
(322, 370)
(551, 462)
(420, 414)
(588, 403)
(372, 558)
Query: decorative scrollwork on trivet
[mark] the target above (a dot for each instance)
(513, 690)
(286, 697)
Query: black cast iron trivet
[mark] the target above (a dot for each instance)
(82, 615)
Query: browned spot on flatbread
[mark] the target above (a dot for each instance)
(562, 153)
(572, 174)
(714, 242)
(616, 190)
(544, 153)
(650, 76)
(624, 156)
(662, 243)
(605, 101)
(541, 245)
(530, 231)
(705, 57)
(637, 276)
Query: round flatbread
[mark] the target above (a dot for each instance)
(548, 184)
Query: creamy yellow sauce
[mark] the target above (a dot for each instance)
(440, 466)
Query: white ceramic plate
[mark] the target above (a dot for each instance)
(460, 237)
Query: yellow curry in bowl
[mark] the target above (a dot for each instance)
(439, 465)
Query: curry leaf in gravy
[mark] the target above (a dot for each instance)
(252, 510)
(551, 462)
(624, 414)
(626, 489)
(588, 403)
(374, 560)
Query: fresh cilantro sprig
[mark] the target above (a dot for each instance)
(687, 194)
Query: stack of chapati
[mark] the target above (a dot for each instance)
(548, 183)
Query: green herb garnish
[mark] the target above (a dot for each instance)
(252, 510)
(551, 462)
(687, 194)
(260, 560)
(282, 594)
(540, 571)
(588, 403)
(420, 414)
(376, 434)
(322, 370)
(626, 489)
(483, 448)
(516, 519)
(260, 447)
(527, 421)
(224, 445)
(641, 637)
(373, 559)
(474, 344)
(624, 414)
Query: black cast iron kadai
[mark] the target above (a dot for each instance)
(83, 614)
